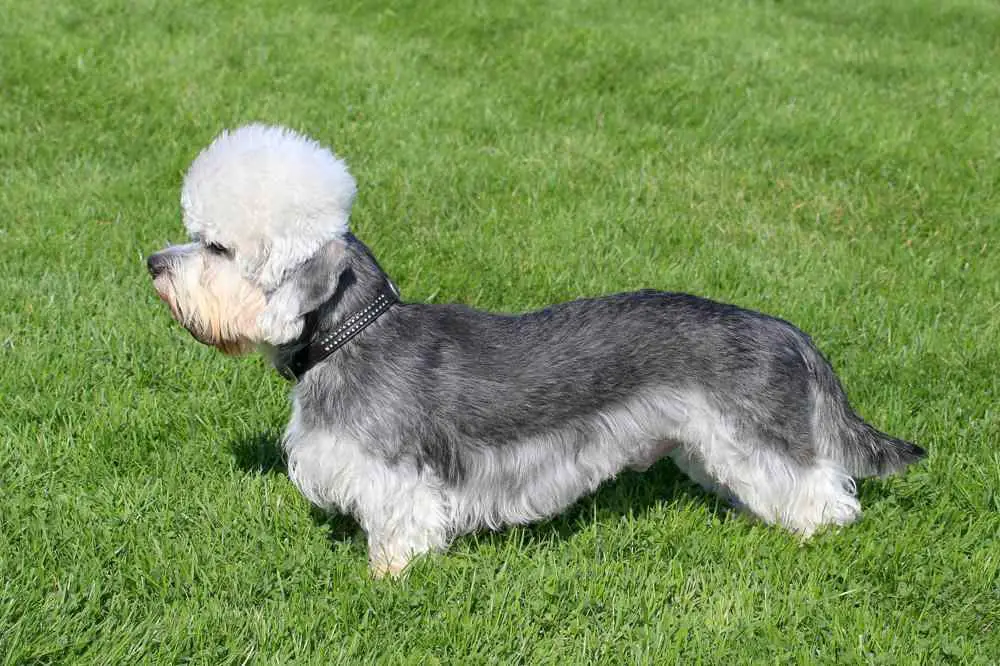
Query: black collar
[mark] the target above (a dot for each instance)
(319, 347)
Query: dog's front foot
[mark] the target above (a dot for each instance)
(384, 566)
(391, 558)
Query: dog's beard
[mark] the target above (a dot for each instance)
(225, 319)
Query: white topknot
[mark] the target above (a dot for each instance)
(268, 186)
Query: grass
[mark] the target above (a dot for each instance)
(835, 164)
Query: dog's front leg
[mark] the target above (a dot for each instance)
(402, 509)
(408, 521)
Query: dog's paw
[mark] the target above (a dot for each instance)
(388, 568)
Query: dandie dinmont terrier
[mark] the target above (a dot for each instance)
(429, 421)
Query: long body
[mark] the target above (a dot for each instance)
(495, 419)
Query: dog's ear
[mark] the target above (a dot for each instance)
(304, 290)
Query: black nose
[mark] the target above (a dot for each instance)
(156, 263)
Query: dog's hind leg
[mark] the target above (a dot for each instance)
(801, 495)
(692, 464)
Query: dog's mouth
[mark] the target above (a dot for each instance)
(209, 339)
(163, 291)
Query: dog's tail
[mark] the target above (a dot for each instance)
(845, 437)
(866, 451)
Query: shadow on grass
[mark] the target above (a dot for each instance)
(260, 454)
(340, 527)
(631, 493)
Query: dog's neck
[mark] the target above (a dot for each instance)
(363, 294)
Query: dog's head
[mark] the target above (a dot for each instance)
(266, 211)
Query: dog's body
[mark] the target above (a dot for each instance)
(437, 420)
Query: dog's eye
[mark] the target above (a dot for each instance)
(215, 248)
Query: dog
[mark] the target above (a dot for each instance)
(425, 422)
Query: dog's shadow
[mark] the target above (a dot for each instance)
(261, 454)
(629, 494)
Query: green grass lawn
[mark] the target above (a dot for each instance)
(835, 164)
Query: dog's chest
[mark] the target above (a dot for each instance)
(329, 467)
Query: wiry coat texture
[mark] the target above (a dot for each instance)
(440, 419)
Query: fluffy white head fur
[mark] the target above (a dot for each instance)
(269, 194)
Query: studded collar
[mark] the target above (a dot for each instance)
(321, 346)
